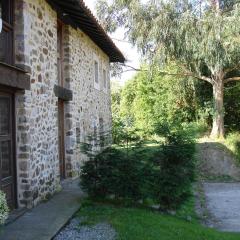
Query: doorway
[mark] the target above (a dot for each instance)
(61, 138)
(7, 159)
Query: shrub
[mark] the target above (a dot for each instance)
(3, 208)
(112, 173)
(128, 174)
(177, 169)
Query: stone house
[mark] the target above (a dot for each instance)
(54, 93)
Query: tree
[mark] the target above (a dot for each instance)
(201, 37)
(153, 99)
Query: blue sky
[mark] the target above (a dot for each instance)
(129, 52)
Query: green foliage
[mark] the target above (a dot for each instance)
(151, 97)
(3, 208)
(177, 168)
(116, 91)
(202, 39)
(124, 133)
(133, 173)
(154, 98)
(232, 141)
(232, 106)
(123, 129)
(112, 173)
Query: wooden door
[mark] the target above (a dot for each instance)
(61, 138)
(7, 164)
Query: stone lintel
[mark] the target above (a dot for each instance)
(12, 76)
(63, 93)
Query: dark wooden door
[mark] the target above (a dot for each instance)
(7, 164)
(61, 138)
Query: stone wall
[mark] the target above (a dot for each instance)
(36, 110)
(89, 104)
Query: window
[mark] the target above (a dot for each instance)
(104, 79)
(96, 72)
(6, 36)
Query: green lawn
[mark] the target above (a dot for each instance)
(144, 224)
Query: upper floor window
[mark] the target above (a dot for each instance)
(96, 70)
(104, 79)
(6, 35)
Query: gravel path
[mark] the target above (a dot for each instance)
(223, 204)
(74, 231)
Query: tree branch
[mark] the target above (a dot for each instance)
(190, 74)
(206, 79)
(232, 69)
(135, 70)
(231, 79)
(131, 68)
(187, 74)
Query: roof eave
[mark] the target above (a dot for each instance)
(78, 15)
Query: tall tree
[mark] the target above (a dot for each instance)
(201, 37)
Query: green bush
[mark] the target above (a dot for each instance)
(128, 174)
(112, 173)
(177, 168)
(3, 208)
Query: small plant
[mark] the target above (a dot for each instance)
(3, 208)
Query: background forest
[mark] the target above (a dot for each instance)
(152, 98)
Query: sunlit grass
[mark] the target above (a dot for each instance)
(145, 224)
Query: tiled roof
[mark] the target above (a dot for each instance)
(79, 15)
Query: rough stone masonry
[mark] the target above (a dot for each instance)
(89, 111)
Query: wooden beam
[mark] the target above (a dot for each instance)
(14, 77)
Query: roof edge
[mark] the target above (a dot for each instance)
(78, 15)
(89, 12)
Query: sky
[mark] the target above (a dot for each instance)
(127, 49)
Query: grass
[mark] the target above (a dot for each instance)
(232, 142)
(144, 224)
(141, 223)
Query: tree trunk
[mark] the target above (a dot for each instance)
(218, 117)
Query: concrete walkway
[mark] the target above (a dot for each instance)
(44, 221)
(223, 204)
